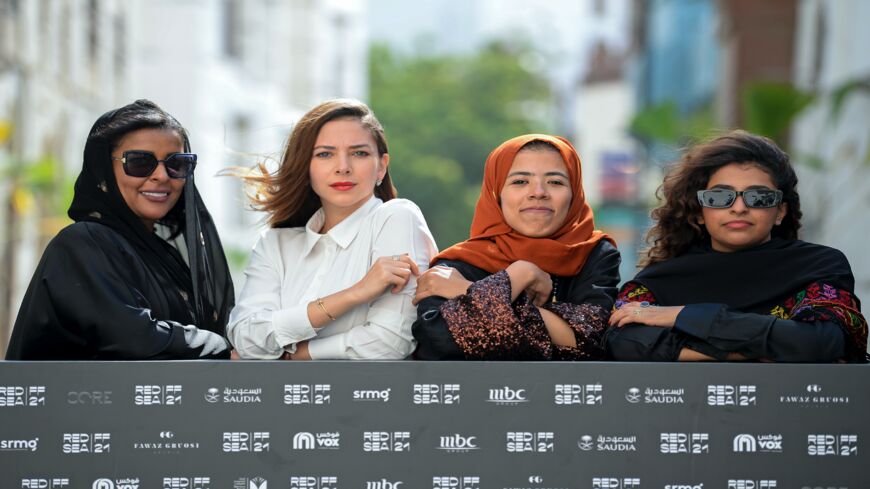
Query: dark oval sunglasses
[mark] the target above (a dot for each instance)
(723, 198)
(143, 163)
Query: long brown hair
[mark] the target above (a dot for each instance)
(287, 194)
(676, 226)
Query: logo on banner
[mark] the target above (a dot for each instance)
(16, 395)
(458, 443)
(507, 396)
(383, 484)
(252, 483)
(751, 484)
(655, 396)
(608, 443)
(685, 486)
(615, 483)
(19, 445)
(456, 482)
(527, 441)
(687, 443)
(386, 441)
(87, 443)
(126, 483)
(813, 396)
(836, 445)
(746, 443)
(313, 482)
(731, 395)
(165, 443)
(37, 483)
(574, 394)
(242, 441)
(436, 394)
(316, 441)
(89, 397)
(187, 483)
(535, 482)
(157, 395)
(382, 395)
(233, 396)
(311, 394)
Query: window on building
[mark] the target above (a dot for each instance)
(231, 18)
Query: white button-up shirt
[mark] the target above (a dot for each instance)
(290, 267)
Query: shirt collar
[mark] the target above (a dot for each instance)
(344, 233)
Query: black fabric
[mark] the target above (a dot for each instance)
(752, 280)
(207, 284)
(595, 284)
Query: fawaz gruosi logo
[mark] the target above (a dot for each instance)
(166, 442)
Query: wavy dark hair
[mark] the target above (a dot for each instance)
(286, 195)
(676, 226)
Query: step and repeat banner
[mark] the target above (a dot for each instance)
(412, 425)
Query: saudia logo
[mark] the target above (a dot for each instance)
(608, 443)
(233, 396)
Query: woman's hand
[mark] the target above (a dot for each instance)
(391, 272)
(529, 278)
(644, 313)
(440, 281)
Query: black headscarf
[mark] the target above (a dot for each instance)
(97, 198)
(751, 280)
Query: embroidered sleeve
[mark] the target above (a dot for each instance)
(486, 326)
(589, 323)
(633, 292)
(823, 302)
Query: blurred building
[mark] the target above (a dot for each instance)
(235, 73)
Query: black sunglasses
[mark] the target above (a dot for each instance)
(756, 198)
(143, 163)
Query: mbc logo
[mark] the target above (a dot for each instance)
(383, 484)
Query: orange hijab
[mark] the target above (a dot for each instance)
(494, 245)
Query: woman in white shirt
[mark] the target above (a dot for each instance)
(334, 275)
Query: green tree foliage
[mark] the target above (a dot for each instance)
(443, 115)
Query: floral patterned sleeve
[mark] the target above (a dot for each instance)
(633, 292)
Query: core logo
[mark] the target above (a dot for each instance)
(525, 441)
(89, 397)
(615, 482)
(19, 445)
(53, 483)
(311, 394)
(731, 395)
(251, 483)
(458, 443)
(313, 482)
(187, 483)
(506, 396)
(836, 445)
(383, 484)
(456, 482)
(576, 394)
(751, 484)
(16, 395)
(386, 441)
(382, 395)
(87, 443)
(125, 483)
(436, 394)
(687, 443)
(608, 443)
(157, 395)
(316, 441)
(241, 441)
(233, 395)
(757, 443)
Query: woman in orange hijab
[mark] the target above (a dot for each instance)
(535, 281)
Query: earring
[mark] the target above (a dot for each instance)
(378, 184)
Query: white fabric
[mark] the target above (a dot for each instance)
(291, 267)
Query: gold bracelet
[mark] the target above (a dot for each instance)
(323, 308)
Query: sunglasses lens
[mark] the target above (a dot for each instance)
(760, 198)
(718, 198)
(180, 165)
(139, 164)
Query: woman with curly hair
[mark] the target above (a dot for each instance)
(726, 277)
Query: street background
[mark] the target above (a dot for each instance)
(630, 82)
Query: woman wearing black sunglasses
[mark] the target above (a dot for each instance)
(125, 281)
(726, 277)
